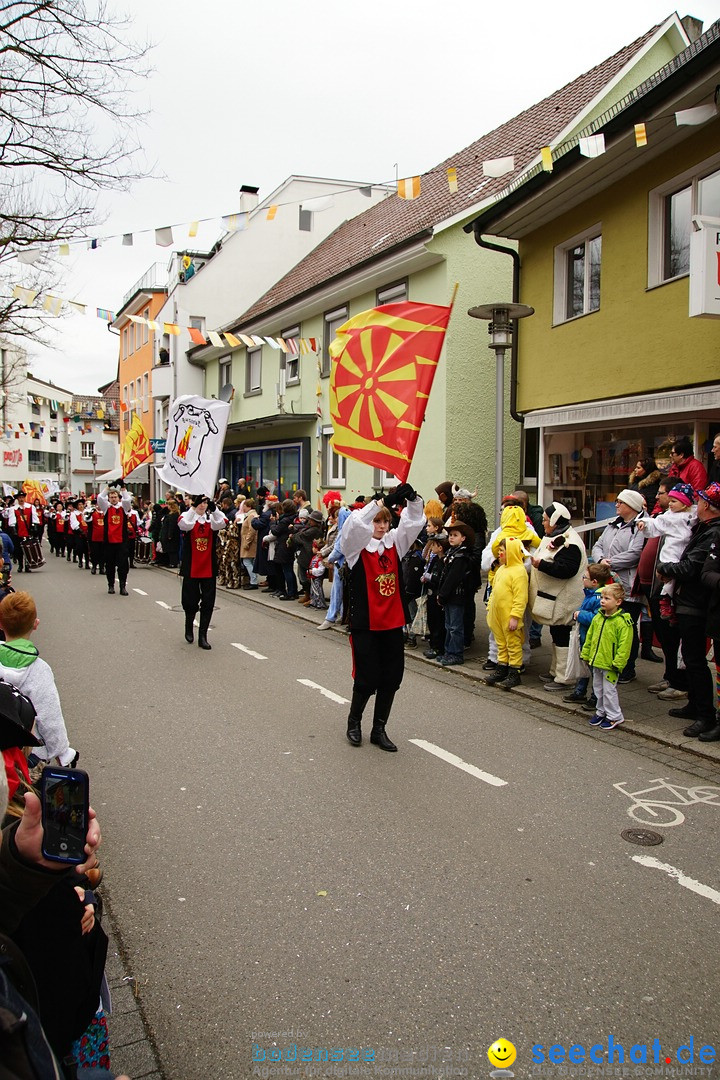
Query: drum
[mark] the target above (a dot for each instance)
(32, 553)
(143, 549)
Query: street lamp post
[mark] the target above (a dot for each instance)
(500, 318)
(94, 465)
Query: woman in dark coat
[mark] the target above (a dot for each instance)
(170, 536)
(312, 530)
(645, 478)
(284, 552)
(261, 524)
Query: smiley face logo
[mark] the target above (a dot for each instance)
(502, 1054)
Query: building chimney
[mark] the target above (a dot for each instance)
(248, 198)
(693, 27)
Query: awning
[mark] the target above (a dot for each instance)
(695, 400)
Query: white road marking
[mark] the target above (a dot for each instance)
(140, 591)
(458, 762)
(682, 879)
(324, 692)
(161, 603)
(250, 652)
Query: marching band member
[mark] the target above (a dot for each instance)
(199, 566)
(22, 523)
(116, 507)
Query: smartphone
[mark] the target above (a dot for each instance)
(65, 798)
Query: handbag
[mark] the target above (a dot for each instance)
(420, 624)
(576, 668)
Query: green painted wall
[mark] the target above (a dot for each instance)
(640, 339)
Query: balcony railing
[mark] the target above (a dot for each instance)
(154, 278)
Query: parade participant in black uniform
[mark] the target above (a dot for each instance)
(23, 524)
(378, 611)
(96, 526)
(79, 528)
(116, 506)
(199, 565)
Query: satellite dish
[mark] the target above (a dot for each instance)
(228, 392)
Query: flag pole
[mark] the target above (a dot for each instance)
(454, 296)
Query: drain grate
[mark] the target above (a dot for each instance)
(643, 837)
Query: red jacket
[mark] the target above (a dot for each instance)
(692, 472)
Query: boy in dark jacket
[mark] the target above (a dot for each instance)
(437, 548)
(458, 569)
(412, 566)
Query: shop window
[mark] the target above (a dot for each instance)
(671, 210)
(333, 465)
(332, 321)
(577, 276)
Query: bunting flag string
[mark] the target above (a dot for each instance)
(407, 189)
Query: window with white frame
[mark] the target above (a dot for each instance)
(332, 321)
(671, 209)
(125, 397)
(253, 371)
(145, 392)
(333, 465)
(224, 372)
(382, 479)
(197, 322)
(392, 294)
(145, 327)
(291, 360)
(577, 275)
(87, 449)
(125, 343)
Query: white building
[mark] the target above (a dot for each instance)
(242, 266)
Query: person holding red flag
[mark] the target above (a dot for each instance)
(199, 565)
(116, 506)
(378, 611)
(23, 522)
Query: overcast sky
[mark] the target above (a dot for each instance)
(249, 94)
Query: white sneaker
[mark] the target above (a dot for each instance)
(671, 695)
(657, 687)
(325, 625)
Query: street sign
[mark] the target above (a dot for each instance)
(158, 445)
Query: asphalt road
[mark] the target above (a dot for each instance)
(273, 886)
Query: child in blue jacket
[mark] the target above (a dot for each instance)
(595, 577)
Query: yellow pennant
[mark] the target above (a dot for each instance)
(409, 188)
(452, 180)
(171, 328)
(640, 135)
(52, 304)
(64, 249)
(272, 211)
(193, 230)
(546, 158)
(232, 340)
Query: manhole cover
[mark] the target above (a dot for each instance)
(643, 837)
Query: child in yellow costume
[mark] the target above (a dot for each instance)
(506, 611)
(513, 523)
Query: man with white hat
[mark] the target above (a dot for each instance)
(619, 547)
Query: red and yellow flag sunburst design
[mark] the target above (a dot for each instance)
(383, 365)
(136, 447)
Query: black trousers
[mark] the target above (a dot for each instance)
(560, 636)
(436, 624)
(634, 610)
(81, 547)
(378, 659)
(116, 557)
(668, 634)
(701, 693)
(97, 554)
(199, 593)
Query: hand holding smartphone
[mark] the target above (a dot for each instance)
(65, 802)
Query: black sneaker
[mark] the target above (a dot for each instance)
(111, 589)
(489, 665)
(627, 676)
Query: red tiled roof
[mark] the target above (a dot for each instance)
(394, 221)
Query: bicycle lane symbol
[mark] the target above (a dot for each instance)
(659, 805)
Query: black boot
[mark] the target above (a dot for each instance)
(646, 642)
(357, 705)
(189, 631)
(383, 705)
(202, 634)
(500, 673)
(513, 679)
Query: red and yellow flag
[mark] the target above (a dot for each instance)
(34, 492)
(136, 447)
(383, 366)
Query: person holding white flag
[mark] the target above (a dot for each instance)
(199, 566)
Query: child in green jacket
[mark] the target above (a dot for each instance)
(607, 650)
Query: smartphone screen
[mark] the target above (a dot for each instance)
(65, 801)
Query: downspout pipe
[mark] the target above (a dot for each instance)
(516, 300)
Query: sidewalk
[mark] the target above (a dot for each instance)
(644, 714)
